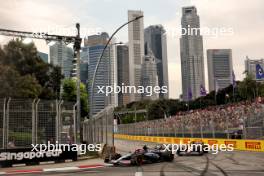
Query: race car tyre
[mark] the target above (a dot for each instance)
(170, 158)
(200, 153)
(179, 153)
(139, 160)
(167, 156)
(205, 151)
(116, 156)
(106, 160)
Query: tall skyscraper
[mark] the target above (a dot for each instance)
(122, 72)
(136, 51)
(192, 60)
(220, 68)
(105, 73)
(43, 56)
(149, 76)
(156, 41)
(250, 67)
(62, 56)
(84, 65)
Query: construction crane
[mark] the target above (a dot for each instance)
(75, 40)
(44, 36)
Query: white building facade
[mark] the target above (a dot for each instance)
(220, 68)
(136, 51)
(192, 59)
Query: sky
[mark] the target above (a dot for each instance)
(245, 18)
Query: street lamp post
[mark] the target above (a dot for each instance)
(99, 60)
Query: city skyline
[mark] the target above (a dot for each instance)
(240, 43)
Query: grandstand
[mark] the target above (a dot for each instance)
(242, 120)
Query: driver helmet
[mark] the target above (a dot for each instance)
(145, 147)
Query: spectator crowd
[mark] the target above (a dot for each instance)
(223, 118)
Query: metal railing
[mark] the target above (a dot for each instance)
(99, 128)
(26, 121)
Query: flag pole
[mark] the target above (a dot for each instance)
(216, 90)
(233, 93)
(233, 84)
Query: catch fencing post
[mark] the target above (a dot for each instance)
(227, 129)
(60, 120)
(191, 129)
(201, 127)
(4, 125)
(106, 131)
(74, 123)
(175, 133)
(7, 122)
(94, 131)
(163, 130)
(182, 128)
(262, 120)
(57, 120)
(213, 128)
(113, 127)
(102, 129)
(36, 121)
(244, 129)
(33, 122)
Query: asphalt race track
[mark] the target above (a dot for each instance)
(235, 163)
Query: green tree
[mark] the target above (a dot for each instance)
(248, 88)
(23, 59)
(69, 94)
(14, 85)
(55, 81)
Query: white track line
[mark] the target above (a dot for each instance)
(61, 169)
(139, 174)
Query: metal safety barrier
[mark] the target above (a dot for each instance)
(33, 121)
(99, 128)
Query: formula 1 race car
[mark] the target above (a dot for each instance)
(142, 156)
(192, 149)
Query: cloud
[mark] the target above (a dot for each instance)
(245, 17)
(246, 20)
